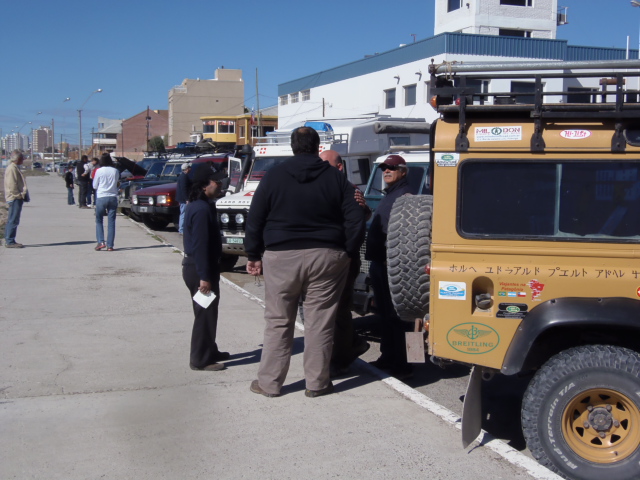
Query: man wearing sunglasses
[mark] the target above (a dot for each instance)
(393, 354)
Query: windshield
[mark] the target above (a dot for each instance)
(417, 177)
(262, 165)
(155, 170)
(235, 171)
(171, 170)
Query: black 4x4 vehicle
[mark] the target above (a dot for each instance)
(525, 257)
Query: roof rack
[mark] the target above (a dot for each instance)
(455, 94)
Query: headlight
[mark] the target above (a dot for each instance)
(134, 199)
(239, 218)
(150, 200)
(162, 199)
(224, 218)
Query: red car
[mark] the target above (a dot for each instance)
(157, 205)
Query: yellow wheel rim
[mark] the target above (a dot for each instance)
(601, 425)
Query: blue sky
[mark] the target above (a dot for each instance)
(137, 50)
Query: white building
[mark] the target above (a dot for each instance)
(396, 82)
(516, 18)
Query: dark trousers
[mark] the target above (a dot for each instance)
(82, 193)
(204, 350)
(70, 200)
(345, 339)
(392, 338)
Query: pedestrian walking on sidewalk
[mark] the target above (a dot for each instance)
(106, 184)
(15, 194)
(68, 180)
(303, 226)
(201, 269)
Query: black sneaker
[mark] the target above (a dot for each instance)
(221, 356)
(14, 245)
(214, 367)
(318, 393)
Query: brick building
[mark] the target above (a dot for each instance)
(132, 140)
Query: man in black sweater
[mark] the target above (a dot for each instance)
(303, 225)
(392, 342)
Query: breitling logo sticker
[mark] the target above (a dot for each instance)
(473, 338)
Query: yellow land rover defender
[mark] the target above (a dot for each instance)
(525, 258)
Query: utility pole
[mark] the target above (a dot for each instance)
(148, 118)
(258, 106)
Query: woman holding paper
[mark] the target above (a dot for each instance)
(201, 271)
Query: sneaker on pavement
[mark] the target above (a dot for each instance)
(14, 245)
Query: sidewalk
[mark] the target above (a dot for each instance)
(95, 381)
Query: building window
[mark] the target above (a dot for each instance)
(581, 95)
(226, 126)
(524, 87)
(209, 126)
(306, 95)
(508, 32)
(294, 97)
(517, 3)
(410, 95)
(284, 100)
(390, 98)
(241, 131)
(453, 5)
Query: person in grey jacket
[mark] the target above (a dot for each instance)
(15, 194)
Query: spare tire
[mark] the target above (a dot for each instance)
(408, 252)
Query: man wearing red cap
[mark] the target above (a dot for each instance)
(393, 354)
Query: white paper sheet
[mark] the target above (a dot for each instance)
(204, 300)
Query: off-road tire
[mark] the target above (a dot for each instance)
(408, 252)
(557, 403)
(154, 223)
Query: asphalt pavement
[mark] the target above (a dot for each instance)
(95, 381)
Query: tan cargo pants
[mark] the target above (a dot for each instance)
(319, 273)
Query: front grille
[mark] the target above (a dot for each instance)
(143, 199)
(232, 225)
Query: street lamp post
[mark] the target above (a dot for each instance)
(80, 118)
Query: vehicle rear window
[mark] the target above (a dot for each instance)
(551, 200)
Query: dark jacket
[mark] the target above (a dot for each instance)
(80, 173)
(68, 179)
(183, 188)
(303, 203)
(376, 248)
(202, 242)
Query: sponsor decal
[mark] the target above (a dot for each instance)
(447, 159)
(536, 289)
(249, 194)
(638, 291)
(512, 310)
(473, 338)
(575, 134)
(452, 291)
(262, 150)
(498, 134)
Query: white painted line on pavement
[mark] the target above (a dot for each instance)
(485, 439)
